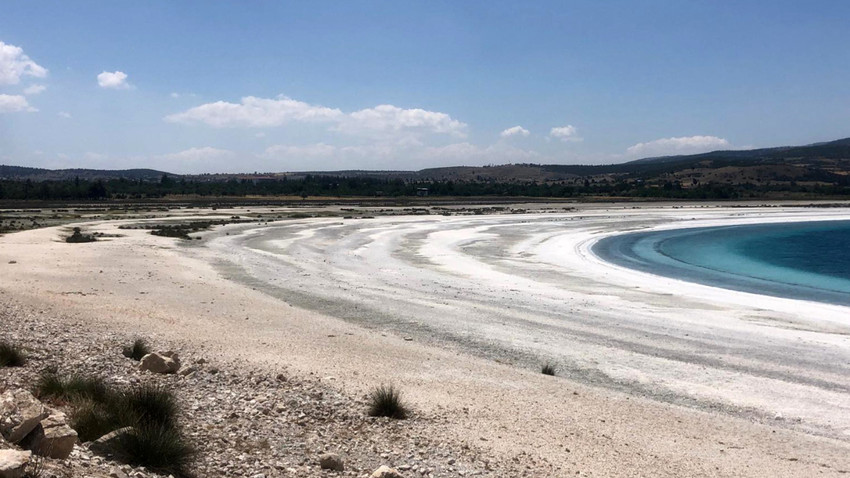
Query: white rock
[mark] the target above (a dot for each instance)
(13, 463)
(164, 362)
(20, 413)
(52, 437)
(386, 472)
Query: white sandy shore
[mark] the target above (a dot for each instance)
(672, 378)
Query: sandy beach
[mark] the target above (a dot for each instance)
(656, 377)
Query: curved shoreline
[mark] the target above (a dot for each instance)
(424, 295)
(640, 251)
(411, 276)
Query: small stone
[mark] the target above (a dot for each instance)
(331, 461)
(386, 472)
(165, 362)
(13, 463)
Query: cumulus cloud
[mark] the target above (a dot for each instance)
(205, 153)
(34, 89)
(680, 145)
(389, 118)
(116, 80)
(515, 131)
(14, 104)
(566, 133)
(256, 113)
(270, 112)
(14, 64)
(64, 114)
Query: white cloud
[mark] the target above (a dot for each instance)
(34, 89)
(116, 80)
(14, 104)
(175, 95)
(389, 118)
(255, 112)
(680, 145)
(205, 153)
(515, 131)
(64, 114)
(14, 64)
(381, 120)
(566, 133)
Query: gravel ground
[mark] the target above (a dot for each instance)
(242, 422)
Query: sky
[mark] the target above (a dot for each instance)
(244, 86)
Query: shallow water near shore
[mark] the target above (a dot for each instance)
(801, 260)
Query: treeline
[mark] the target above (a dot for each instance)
(375, 187)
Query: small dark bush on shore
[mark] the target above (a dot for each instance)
(548, 369)
(136, 351)
(385, 401)
(157, 447)
(78, 237)
(74, 388)
(11, 356)
(155, 441)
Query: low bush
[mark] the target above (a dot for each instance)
(158, 447)
(548, 369)
(11, 356)
(385, 401)
(136, 351)
(155, 442)
(74, 388)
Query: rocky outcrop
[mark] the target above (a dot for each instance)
(13, 463)
(386, 472)
(20, 413)
(160, 362)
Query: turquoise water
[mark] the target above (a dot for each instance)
(809, 260)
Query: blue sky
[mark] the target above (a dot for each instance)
(272, 86)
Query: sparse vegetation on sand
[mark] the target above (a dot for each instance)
(549, 369)
(154, 439)
(386, 401)
(136, 351)
(78, 237)
(10, 355)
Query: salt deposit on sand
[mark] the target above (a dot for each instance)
(656, 377)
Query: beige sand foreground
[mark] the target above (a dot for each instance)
(154, 286)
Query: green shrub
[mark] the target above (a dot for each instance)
(151, 404)
(160, 448)
(76, 387)
(91, 420)
(11, 356)
(548, 369)
(385, 401)
(136, 351)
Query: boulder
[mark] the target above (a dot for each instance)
(20, 413)
(386, 472)
(13, 463)
(160, 362)
(52, 437)
(331, 461)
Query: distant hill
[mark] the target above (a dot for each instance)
(825, 163)
(37, 174)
